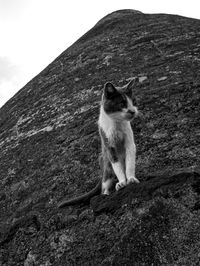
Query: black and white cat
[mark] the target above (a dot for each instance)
(117, 139)
(118, 150)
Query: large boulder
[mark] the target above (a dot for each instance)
(49, 147)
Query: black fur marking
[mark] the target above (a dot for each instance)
(107, 170)
(116, 104)
(120, 146)
(110, 91)
(112, 155)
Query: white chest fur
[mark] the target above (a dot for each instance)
(116, 129)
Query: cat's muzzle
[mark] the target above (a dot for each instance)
(130, 115)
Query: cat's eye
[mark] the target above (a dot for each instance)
(122, 104)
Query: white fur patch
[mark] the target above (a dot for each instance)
(106, 123)
(131, 107)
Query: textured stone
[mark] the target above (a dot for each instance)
(49, 147)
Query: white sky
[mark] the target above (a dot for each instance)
(35, 32)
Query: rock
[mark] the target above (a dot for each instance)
(30, 260)
(49, 150)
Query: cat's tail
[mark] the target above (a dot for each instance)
(83, 199)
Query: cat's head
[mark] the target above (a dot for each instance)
(119, 103)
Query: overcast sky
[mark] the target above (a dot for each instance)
(35, 32)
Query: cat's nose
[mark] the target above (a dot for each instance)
(131, 112)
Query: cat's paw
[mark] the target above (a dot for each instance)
(105, 192)
(133, 180)
(120, 185)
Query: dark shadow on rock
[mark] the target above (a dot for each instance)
(144, 191)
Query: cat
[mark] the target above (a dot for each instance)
(118, 149)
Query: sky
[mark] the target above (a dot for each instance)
(35, 32)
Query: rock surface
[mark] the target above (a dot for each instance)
(49, 148)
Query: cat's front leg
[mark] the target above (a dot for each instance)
(119, 172)
(130, 164)
(118, 167)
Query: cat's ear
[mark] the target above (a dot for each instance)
(109, 90)
(130, 87)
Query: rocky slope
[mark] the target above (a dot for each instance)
(49, 148)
